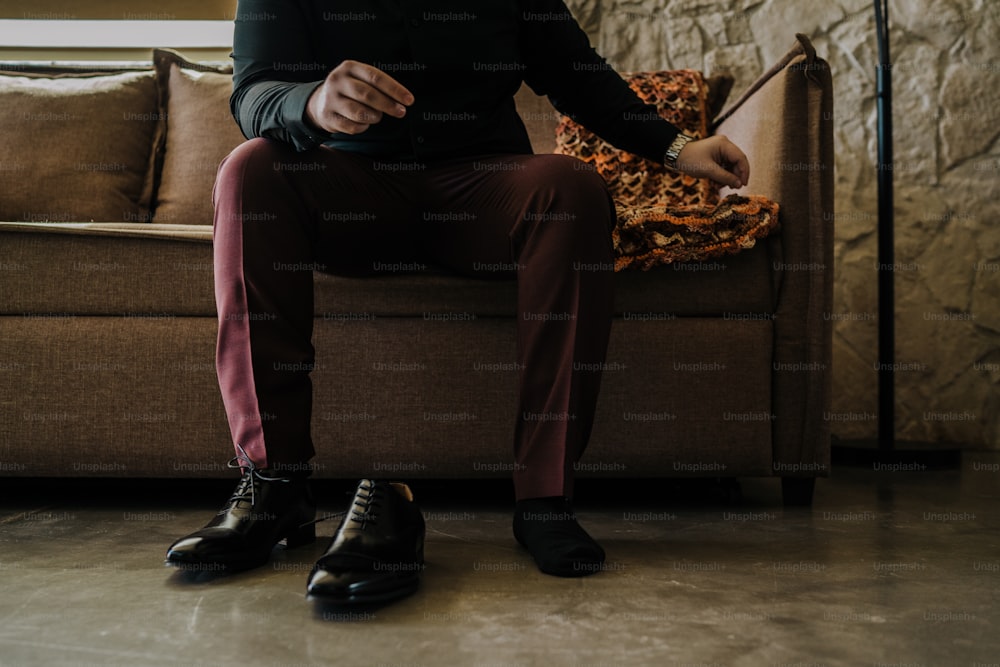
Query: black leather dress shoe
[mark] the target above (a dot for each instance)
(262, 511)
(377, 553)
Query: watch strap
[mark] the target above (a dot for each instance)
(674, 151)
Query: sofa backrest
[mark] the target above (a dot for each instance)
(127, 142)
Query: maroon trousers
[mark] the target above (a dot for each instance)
(544, 219)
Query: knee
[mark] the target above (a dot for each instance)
(566, 172)
(574, 188)
(570, 179)
(245, 187)
(250, 168)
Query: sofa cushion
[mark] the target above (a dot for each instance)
(128, 269)
(729, 287)
(199, 132)
(166, 271)
(77, 147)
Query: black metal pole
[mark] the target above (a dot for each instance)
(886, 260)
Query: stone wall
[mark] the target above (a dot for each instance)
(946, 108)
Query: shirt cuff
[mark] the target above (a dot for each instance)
(293, 111)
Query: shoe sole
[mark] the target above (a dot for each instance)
(409, 588)
(301, 536)
(402, 589)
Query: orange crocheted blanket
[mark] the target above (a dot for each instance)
(646, 236)
(665, 216)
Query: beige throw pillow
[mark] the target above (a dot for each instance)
(77, 148)
(200, 132)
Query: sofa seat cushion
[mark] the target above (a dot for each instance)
(150, 270)
(157, 269)
(134, 269)
(740, 283)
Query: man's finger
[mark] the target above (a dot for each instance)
(743, 170)
(741, 167)
(362, 95)
(716, 158)
(723, 177)
(382, 82)
(359, 112)
(736, 161)
(340, 123)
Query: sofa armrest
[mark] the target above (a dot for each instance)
(784, 124)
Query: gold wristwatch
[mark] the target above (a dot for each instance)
(670, 157)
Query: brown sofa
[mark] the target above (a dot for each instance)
(108, 321)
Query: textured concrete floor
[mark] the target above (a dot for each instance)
(888, 568)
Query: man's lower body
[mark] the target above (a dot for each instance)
(547, 219)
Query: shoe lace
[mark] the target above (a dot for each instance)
(246, 490)
(366, 502)
(364, 515)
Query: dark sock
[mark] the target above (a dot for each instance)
(547, 528)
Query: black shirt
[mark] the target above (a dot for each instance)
(462, 60)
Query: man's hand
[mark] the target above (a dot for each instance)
(717, 158)
(354, 96)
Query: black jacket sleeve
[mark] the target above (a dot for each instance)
(275, 72)
(561, 64)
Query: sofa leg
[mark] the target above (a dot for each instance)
(797, 491)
